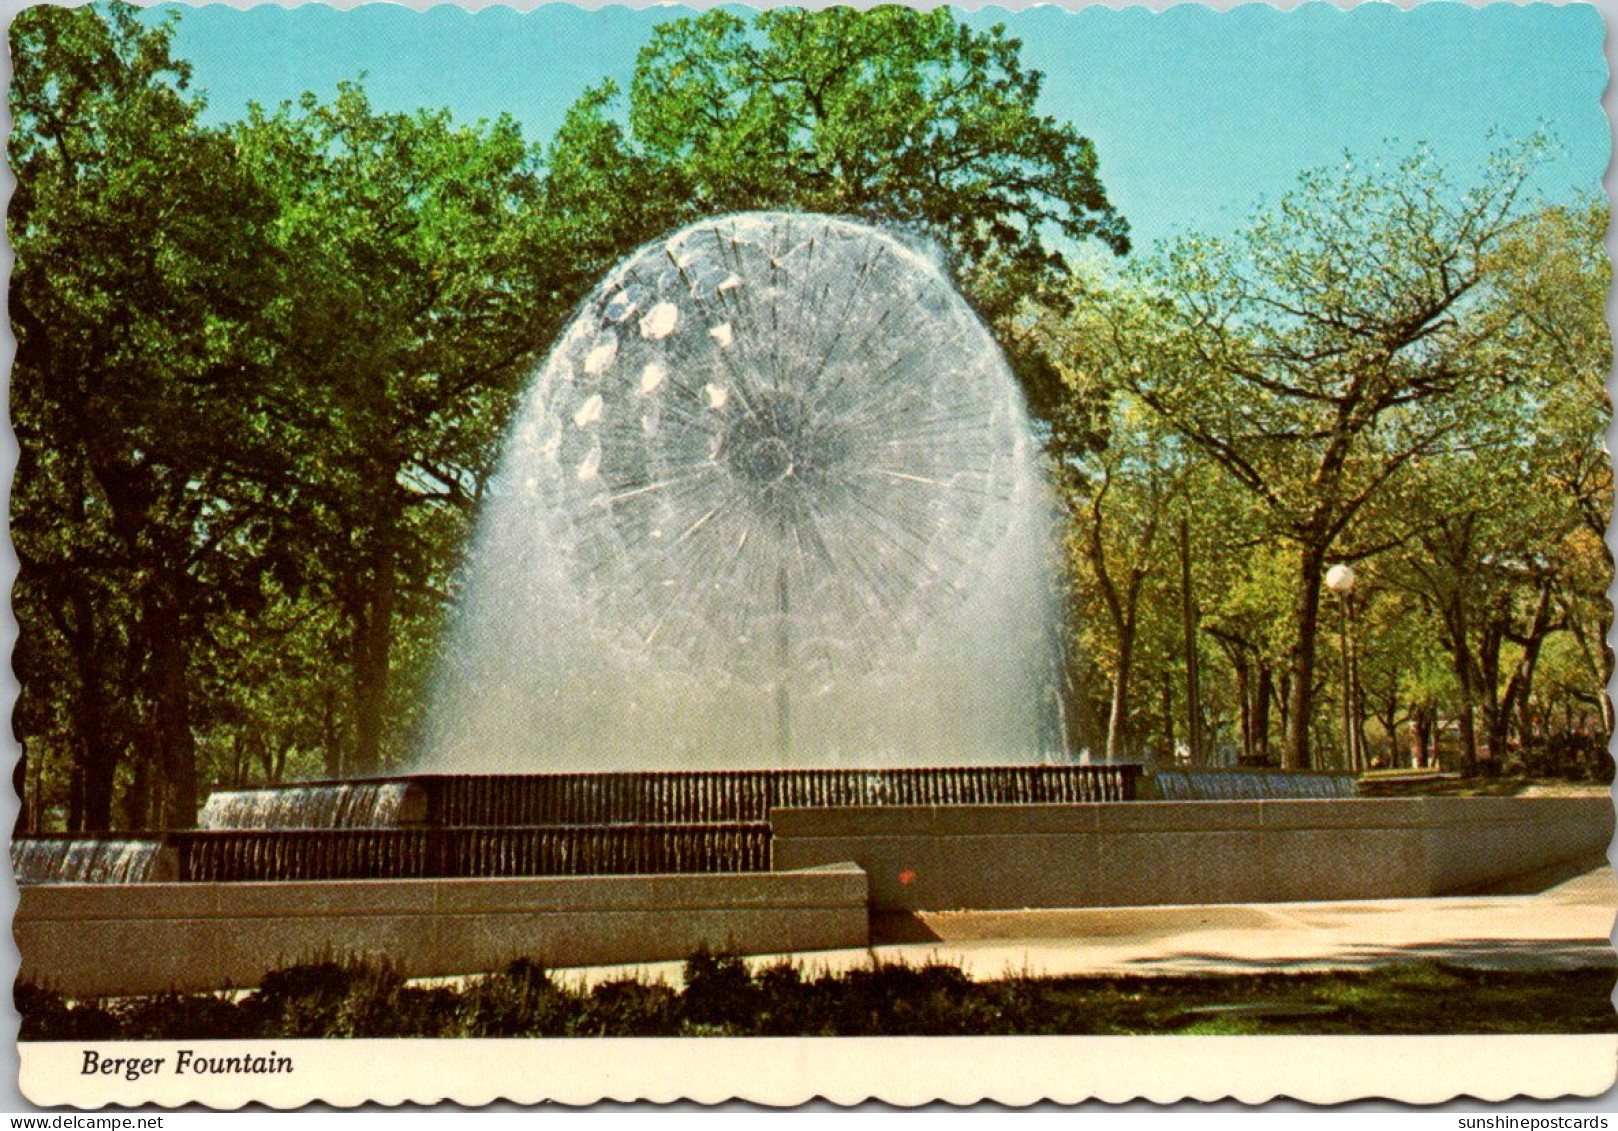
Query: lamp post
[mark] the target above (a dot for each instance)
(1340, 580)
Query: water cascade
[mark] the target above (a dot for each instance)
(466, 825)
(658, 797)
(85, 860)
(1251, 785)
(773, 500)
(324, 805)
(394, 854)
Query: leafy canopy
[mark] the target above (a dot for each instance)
(896, 116)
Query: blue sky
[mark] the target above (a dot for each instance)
(1198, 115)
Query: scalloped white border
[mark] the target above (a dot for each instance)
(1537, 1074)
(847, 1070)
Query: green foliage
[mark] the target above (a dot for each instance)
(263, 369)
(893, 115)
(719, 988)
(145, 474)
(176, 1016)
(1385, 366)
(261, 376)
(887, 999)
(47, 1016)
(520, 1002)
(415, 268)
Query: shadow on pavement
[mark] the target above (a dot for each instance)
(1478, 954)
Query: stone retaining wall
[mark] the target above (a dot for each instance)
(90, 939)
(1150, 853)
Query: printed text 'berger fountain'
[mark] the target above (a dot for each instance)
(772, 500)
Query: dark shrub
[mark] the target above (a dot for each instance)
(47, 1017)
(899, 1000)
(1575, 757)
(719, 992)
(419, 1012)
(628, 1009)
(521, 1002)
(529, 974)
(175, 1016)
(783, 1002)
(302, 1001)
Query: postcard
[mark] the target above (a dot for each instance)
(751, 553)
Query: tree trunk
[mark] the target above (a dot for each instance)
(1520, 688)
(1261, 714)
(333, 739)
(1118, 715)
(75, 791)
(1168, 720)
(1244, 700)
(1122, 610)
(1389, 717)
(1421, 729)
(23, 783)
(1301, 704)
(1465, 667)
(1188, 617)
(1598, 658)
(137, 801)
(1282, 701)
(1486, 689)
(1466, 719)
(90, 788)
(168, 657)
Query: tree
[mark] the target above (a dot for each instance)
(1121, 510)
(1550, 278)
(1123, 481)
(894, 115)
(421, 280)
(141, 266)
(1320, 354)
(1500, 556)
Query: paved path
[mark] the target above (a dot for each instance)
(1562, 926)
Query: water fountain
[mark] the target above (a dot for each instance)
(757, 636)
(772, 501)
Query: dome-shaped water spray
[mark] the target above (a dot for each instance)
(774, 474)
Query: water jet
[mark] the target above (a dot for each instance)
(772, 501)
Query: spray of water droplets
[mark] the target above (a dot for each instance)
(774, 469)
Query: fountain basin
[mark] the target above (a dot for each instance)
(1196, 852)
(1207, 784)
(828, 868)
(377, 854)
(651, 797)
(113, 939)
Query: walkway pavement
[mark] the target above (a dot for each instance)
(1523, 926)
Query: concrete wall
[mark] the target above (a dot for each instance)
(140, 938)
(1147, 853)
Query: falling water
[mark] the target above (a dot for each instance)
(324, 805)
(773, 500)
(651, 797)
(64, 860)
(1251, 785)
(393, 854)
